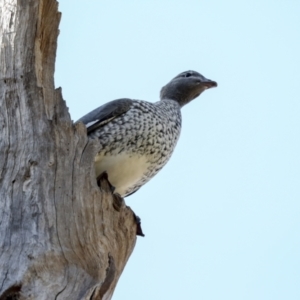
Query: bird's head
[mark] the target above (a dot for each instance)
(185, 87)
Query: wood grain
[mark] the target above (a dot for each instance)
(60, 236)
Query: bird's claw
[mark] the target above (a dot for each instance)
(102, 176)
(118, 201)
(137, 220)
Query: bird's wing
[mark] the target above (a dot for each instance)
(105, 113)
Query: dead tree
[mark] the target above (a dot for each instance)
(60, 236)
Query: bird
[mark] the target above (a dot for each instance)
(136, 137)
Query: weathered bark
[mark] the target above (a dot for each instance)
(60, 237)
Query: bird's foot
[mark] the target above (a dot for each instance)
(118, 201)
(102, 176)
(137, 220)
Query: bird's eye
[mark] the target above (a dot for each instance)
(188, 74)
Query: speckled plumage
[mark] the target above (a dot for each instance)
(137, 138)
(149, 130)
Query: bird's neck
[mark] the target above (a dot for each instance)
(177, 98)
(169, 92)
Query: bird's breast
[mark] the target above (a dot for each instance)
(124, 171)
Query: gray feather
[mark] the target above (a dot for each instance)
(105, 113)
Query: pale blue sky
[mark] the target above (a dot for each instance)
(222, 219)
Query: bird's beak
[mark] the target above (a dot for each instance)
(209, 83)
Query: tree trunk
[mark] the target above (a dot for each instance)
(60, 236)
